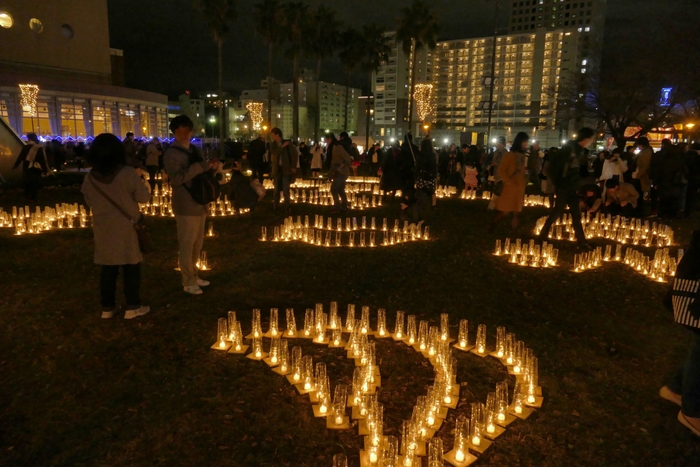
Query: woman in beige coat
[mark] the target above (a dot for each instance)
(116, 243)
(513, 171)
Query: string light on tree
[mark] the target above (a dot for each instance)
(29, 94)
(256, 116)
(423, 96)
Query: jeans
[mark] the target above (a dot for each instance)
(132, 284)
(282, 183)
(686, 381)
(190, 238)
(565, 198)
(340, 199)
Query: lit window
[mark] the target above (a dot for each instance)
(584, 62)
(5, 20)
(583, 70)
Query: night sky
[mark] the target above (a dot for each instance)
(168, 48)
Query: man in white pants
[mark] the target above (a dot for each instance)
(189, 215)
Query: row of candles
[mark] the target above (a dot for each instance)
(291, 231)
(619, 229)
(324, 186)
(487, 421)
(531, 255)
(63, 216)
(322, 198)
(161, 205)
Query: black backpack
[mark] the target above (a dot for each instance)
(205, 187)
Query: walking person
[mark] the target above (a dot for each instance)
(182, 164)
(153, 153)
(340, 171)
(316, 160)
(34, 165)
(684, 388)
(113, 190)
(132, 153)
(513, 172)
(284, 163)
(564, 170)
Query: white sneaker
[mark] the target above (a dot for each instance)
(202, 282)
(108, 314)
(131, 314)
(194, 290)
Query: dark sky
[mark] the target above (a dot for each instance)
(168, 48)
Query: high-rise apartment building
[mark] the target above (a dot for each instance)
(547, 58)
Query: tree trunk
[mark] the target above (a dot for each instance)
(347, 97)
(412, 90)
(295, 99)
(269, 86)
(317, 120)
(222, 123)
(367, 114)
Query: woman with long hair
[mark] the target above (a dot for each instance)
(513, 172)
(113, 190)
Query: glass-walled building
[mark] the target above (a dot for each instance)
(77, 98)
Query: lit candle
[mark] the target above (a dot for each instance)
(273, 359)
(222, 344)
(238, 347)
(518, 409)
(373, 457)
(500, 354)
(323, 408)
(422, 346)
(530, 399)
(516, 369)
(459, 456)
(338, 420)
(501, 417)
(491, 428)
(411, 340)
(509, 360)
(476, 440)
(431, 420)
(307, 386)
(284, 367)
(398, 335)
(481, 349)
(448, 399)
(462, 344)
(296, 376)
(336, 342)
(258, 354)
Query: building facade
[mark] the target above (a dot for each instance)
(62, 47)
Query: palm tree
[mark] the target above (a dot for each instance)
(219, 14)
(269, 23)
(351, 55)
(418, 29)
(377, 47)
(296, 15)
(321, 42)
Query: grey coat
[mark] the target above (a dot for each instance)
(115, 238)
(180, 172)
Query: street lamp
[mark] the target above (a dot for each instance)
(212, 120)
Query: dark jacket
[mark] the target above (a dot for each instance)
(564, 167)
(30, 168)
(256, 151)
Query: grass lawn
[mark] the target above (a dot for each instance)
(76, 390)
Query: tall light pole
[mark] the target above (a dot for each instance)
(493, 76)
(212, 120)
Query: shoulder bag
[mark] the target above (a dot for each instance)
(140, 226)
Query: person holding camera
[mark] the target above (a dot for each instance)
(183, 163)
(613, 166)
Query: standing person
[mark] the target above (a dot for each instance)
(316, 160)
(547, 183)
(331, 142)
(183, 163)
(284, 163)
(132, 154)
(390, 181)
(671, 180)
(304, 159)
(513, 171)
(643, 172)
(564, 170)
(684, 388)
(109, 184)
(692, 161)
(375, 157)
(256, 154)
(340, 171)
(493, 168)
(533, 163)
(34, 165)
(153, 154)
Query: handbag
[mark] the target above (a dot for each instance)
(144, 238)
(498, 188)
(683, 299)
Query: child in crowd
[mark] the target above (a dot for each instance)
(471, 176)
